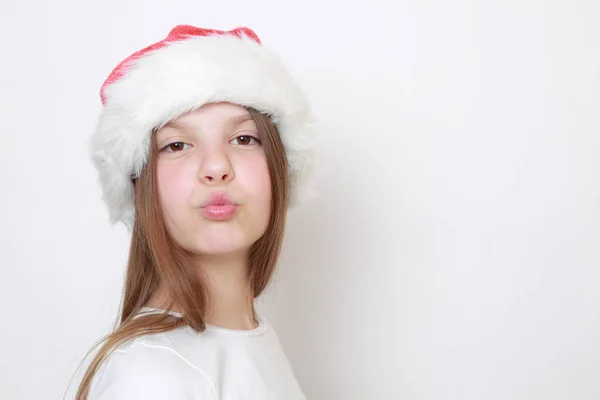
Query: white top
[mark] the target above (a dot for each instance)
(217, 364)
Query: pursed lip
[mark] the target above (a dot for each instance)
(218, 199)
(219, 207)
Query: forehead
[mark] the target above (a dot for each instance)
(214, 116)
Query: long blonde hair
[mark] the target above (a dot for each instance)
(155, 258)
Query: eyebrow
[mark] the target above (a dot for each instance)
(229, 123)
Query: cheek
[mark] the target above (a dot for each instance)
(254, 176)
(174, 186)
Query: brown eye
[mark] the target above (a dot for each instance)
(246, 140)
(174, 147)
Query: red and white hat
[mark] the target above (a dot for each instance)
(191, 67)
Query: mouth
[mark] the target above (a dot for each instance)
(219, 207)
(221, 212)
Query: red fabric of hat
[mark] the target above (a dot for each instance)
(179, 32)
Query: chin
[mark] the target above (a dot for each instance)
(218, 238)
(223, 242)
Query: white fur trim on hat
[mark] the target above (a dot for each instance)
(179, 77)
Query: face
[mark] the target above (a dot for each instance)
(213, 180)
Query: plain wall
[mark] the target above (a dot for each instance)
(453, 252)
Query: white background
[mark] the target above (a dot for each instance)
(453, 252)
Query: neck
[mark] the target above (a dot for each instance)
(231, 302)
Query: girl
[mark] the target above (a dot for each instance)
(201, 146)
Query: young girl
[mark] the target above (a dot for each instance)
(202, 144)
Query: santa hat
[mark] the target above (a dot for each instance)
(191, 67)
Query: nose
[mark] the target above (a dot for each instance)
(216, 168)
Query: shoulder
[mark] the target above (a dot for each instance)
(149, 370)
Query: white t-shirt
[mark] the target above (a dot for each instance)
(217, 364)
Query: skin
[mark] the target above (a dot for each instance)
(215, 148)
